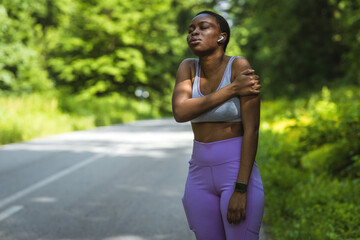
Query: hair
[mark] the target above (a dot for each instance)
(224, 26)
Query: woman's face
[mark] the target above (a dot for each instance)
(204, 33)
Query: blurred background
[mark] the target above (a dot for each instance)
(69, 65)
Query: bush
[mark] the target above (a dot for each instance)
(311, 175)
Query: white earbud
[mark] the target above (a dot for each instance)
(222, 37)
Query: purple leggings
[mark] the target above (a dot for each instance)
(213, 169)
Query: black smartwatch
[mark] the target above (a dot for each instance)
(240, 187)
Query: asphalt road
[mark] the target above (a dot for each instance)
(122, 182)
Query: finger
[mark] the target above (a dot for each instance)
(248, 71)
(255, 92)
(238, 217)
(256, 82)
(243, 214)
(234, 218)
(257, 87)
(252, 82)
(229, 216)
(254, 77)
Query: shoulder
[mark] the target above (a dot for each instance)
(188, 62)
(187, 67)
(240, 64)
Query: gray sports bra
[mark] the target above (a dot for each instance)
(228, 111)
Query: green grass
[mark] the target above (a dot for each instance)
(38, 115)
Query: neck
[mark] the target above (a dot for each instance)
(211, 63)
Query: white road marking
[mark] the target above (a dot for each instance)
(48, 180)
(10, 211)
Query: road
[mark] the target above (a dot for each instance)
(122, 182)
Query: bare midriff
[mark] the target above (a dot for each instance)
(216, 131)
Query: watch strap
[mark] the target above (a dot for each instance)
(240, 187)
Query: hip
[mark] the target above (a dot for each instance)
(217, 152)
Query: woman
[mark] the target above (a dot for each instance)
(223, 196)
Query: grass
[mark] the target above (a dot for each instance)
(38, 115)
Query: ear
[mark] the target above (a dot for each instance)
(223, 37)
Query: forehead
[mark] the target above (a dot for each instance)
(204, 18)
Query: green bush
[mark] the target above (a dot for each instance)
(309, 154)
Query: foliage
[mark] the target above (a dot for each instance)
(99, 47)
(299, 46)
(115, 46)
(105, 46)
(21, 65)
(311, 175)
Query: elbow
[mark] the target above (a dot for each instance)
(180, 118)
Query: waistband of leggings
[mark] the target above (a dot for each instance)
(218, 152)
(234, 139)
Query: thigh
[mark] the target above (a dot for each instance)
(202, 206)
(248, 229)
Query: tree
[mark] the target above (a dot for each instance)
(299, 45)
(21, 65)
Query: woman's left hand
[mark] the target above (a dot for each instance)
(236, 208)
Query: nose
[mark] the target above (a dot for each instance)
(195, 32)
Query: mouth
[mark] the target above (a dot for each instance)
(195, 41)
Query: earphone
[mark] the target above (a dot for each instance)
(222, 37)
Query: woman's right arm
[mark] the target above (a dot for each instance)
(186, 108)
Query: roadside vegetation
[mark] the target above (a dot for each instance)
(309, 157)
(37, 115)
